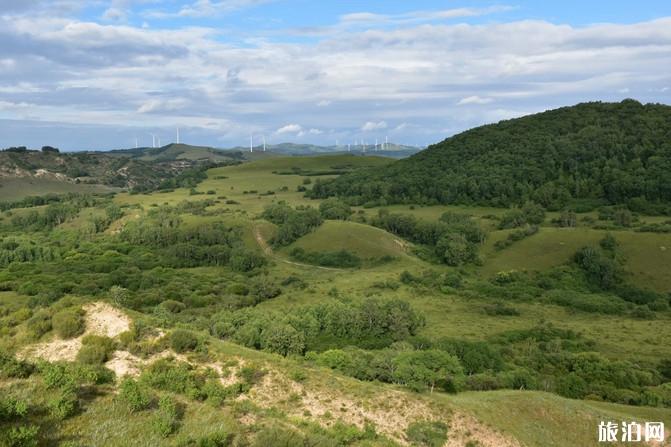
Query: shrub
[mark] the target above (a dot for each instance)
(334, 209)
(428, 434)
(341, 258)
(11, 408)
(174, 376)
(22, 436)
(11, 368)
(134, 395)
(95, 350)
(39, 324)
(68, 323)
(64, 405)
(182, 340)
(500, 309)
(167, 417)
(173, 306)
(216, 439)
(238, 289)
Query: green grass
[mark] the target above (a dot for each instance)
(18, 188)
(543, 419)
(363, 240)
(647, 256)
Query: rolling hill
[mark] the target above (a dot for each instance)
(26, 172)
(588, 154)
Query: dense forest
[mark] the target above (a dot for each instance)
(582, 156)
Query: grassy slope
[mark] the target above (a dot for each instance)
(647, 255)
(18, 188)
(363, 240)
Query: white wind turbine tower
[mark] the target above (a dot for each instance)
(136, 143)
(386, 142)
(251, 143)
(153, 140)
(178, 135)
(264, 143)
(375, 144)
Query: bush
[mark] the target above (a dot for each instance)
(167, 417)
(134, 395)
(334, 209)
(454, 249)
(64, 405)
(68, 323)
(39, 324)
(11, 409)
(182, 341)
(95, 350)
(428, 434)
(11, 368)
(500, 309)
(174, 376)
(341, 258)
(22, 436)
(173, 306)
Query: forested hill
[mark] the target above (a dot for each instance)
(588, 153)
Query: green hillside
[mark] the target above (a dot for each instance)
(585, 155)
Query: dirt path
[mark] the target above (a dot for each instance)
(267, 249)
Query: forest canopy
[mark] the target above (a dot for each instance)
(592, 153)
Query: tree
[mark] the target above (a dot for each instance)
(422, 369)
(283, 339)
(334, 209)
(454, 249)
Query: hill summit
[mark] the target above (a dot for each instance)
(597, 153)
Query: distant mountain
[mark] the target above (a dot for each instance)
(393, 150)
(138, 169)
(174, 152)
(592, 153)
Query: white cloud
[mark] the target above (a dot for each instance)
(290, 128)
(81, 72)
(161, 105)
(115, 15)
(206, 8)
(370, 126)
(315, 132)
(474, 100)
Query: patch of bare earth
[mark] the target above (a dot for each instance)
(100, 319)
(465, 428)
(391, 412)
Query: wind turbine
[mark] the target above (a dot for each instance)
(136, 145)
(264, 143)
(251, 143)
(178, 135)
(153, 140)
(375, 144)
(386, 142)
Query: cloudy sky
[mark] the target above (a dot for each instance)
(99, 74)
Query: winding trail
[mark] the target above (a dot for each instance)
(268, 250)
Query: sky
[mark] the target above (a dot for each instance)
(93, 75)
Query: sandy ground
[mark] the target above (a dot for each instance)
(100, 319)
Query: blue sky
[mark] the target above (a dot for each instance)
(99, 74)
